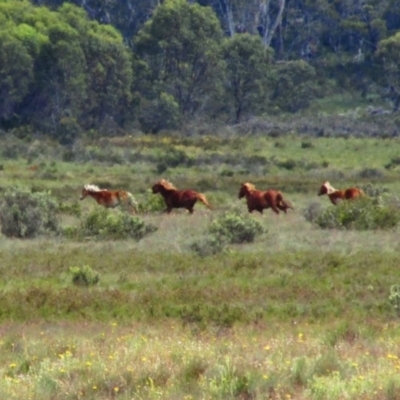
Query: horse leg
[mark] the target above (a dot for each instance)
(283, 207)
(274, 208)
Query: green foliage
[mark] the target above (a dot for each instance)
(24, 214)
(73, 209)
(181, 47)
(85, 276)
(209, 246)
(172, 157)
(102, 223)
(359, 214)
(312, 211)
(16, 72)
(394, 297)
(158, 114)
(229, 382)
(234, 227)
(151, 203)
(231, 227)
(248, 62)
(294, 87)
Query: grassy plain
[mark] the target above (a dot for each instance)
(301, 313)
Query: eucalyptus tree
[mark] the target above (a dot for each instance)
(16, 72)
(125, 15)
(295, 86)
(389, 56)
(181, 45)
(61, 72)
(108, 77)
(248, 67)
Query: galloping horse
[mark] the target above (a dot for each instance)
(175, 198)
(335, 195)
(259, 200)
(109, 198)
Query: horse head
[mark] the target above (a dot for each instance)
(245, 189)
(87, 190)
(162, 184)
(326, 188)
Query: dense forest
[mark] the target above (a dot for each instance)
(103, 67)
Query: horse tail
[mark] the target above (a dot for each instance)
(132, 201)
(282, 201)
(203, 199)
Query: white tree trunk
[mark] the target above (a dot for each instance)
(266, 21)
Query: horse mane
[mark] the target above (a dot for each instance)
(92, 188)
(329, 188)
(249, 186)
(166, 184)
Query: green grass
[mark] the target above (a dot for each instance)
(300, 313)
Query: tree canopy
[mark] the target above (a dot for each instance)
(104, 66)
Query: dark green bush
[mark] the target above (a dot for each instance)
(151, 203)
(102, 223)
(360, 214)
(234, 227)
(85, 276)
(158, 114)
(24, 214)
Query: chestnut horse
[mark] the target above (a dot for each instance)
(175, 198)
(336, 195)
(110, 198)
(259, 200)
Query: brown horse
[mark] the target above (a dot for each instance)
(109, 198)
(175, 198)
(259, 200)
(336, 195)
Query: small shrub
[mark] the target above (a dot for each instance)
(24, 214)
(173, 157)
(306, 145)
(102, 223)
(312, 211)
(85, 276)
(73, 209)
(233, 227)
(370, 173)
(289, 164)
(394, 297)
(151, 203)
(209, 246)
(12, 148)
(227, 172)
(394, 162)
(374, 191)
(360, 214)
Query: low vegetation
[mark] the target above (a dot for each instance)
(215, 305)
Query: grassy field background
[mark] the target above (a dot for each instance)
(300, 313)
